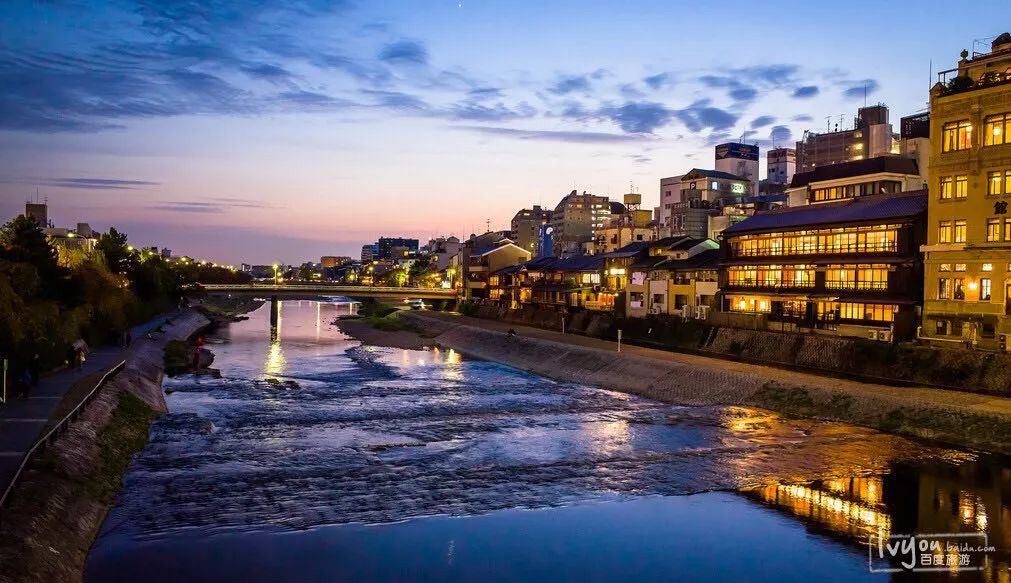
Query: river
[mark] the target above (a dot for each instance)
(315, 458)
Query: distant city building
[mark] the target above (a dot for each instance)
(670, 193)
(526, 226)
(871, 136)
(781, 165)
(914, 141)
(740, 160)
(442, 250)
(629, 226)
(575, 221)
(38, 212)
(389, 247)
(328, 261)
(369, 253)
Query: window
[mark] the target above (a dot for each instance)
(836, 277)
(995, 128)
(944, 289)
(961, 186)
(984, 289)
(994, 183)
(992, 230)
(1007, 229)
(947, 187)
(944, 232)
(957, 285)
(873, 277)
(959, 267)
(944, 267)
(1007, 182)
(956, 135)
(960, 231)
(988, 267)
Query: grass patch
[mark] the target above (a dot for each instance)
(390, 323)
(178, 357)
(124, 435)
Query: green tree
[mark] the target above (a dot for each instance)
(118, 255)
(22, 241)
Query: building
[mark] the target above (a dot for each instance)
(331, 261)
(678, 277)
(881, 175)
(38, 212)
(569, 284)
(390, 247)
(369, 253)
(781, 165)
(629, 225)
(850, 267)
(670, 194)
(575, 221)
(914, 141)
(870, 136)
(968, 251)
(526, 226)
(706, 194)
(740, 160)
(479, 282)
(442, 250)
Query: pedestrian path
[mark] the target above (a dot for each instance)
(22, 420)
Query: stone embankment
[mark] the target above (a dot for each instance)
(57, 510)
(963, 418)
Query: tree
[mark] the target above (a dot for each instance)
(118, 255)
(22, 241)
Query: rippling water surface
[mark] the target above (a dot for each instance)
(315, 458)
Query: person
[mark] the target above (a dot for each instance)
(34, 369)
(78, 358)
(26, 383)
(511, 334)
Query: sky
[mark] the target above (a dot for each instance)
(253, 131)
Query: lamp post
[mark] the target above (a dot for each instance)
(276, 266)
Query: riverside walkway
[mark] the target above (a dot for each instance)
(23, 420)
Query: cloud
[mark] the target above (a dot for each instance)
(762, 121)
(559, 136)
(858, 88)
(308, 99)
(398, 100)
(743, 93)
(497, 113)
(641, 117)
(658, 81)
(570, 84)
(781, 134)
(266, 72)
(805, 92)
(803, 118)
(189, 207)
(404, 52)
(701, 115)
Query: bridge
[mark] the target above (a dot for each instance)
(292, 290)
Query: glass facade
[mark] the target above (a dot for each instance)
(875, 239)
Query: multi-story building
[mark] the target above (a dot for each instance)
(389, 247)
(369, 253)
(781, 165)
(526, 226)
(846, 180)
(914, 141)
(677, 277)
(740, 160)
(630, 225)
(967, 265)
(331, 261)
(670, 194)
(480, 283)
(851, 267)
(870, 136)
(575, 221)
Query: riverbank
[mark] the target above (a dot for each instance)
(967, 419)
(59, 506)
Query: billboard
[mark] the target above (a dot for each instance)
(737, 150)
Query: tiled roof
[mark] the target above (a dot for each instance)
(707, 258)
(712, 174)
(876, 207)
(893, 164)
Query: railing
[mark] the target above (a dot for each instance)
(57, 429)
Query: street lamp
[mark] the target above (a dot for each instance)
(275, 273)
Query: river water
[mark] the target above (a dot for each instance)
(315, 458)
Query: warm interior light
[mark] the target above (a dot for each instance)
(973, 285)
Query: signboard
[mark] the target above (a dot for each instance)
(737, 188)
(737, 150)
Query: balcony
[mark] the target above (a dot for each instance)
(963, 308)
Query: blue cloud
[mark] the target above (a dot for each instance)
(658, 81)
(855, 89)
(701, 115)
(569, 84)
(743, 94)
(762, 121)
(642, 117)
(559, 136)
(803, 118)
(806, 92)
(404, 52)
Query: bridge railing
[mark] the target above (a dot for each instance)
(309, 286)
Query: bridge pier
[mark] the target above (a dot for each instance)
(275, 317)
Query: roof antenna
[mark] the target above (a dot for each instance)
(865, 95)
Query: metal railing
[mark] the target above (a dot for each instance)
(60, 427)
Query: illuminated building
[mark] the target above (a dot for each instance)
(575, 221)
(870, 136)
(630, 225)
(526, 226)
(740, 160)
(967, 264)
(676, 278)
(849, 266)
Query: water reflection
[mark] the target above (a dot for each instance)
(928, 498)
(274, 365)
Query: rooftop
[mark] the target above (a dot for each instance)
(877, 207)
(699, 172)
(893, 164)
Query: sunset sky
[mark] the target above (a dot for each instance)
(261, 132)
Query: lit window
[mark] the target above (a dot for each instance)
(1007, 229)
(988, 267)
(992, 230)
(960, 231)
(996, 127)
(959, 287)
(961, 186)
(714, 185)
(984, 289)
(947, 187)
(944, 289)
(956, 135)
(944, 232)
(944, 267)
(1007, 182)
(994, 182)
(959, 267)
